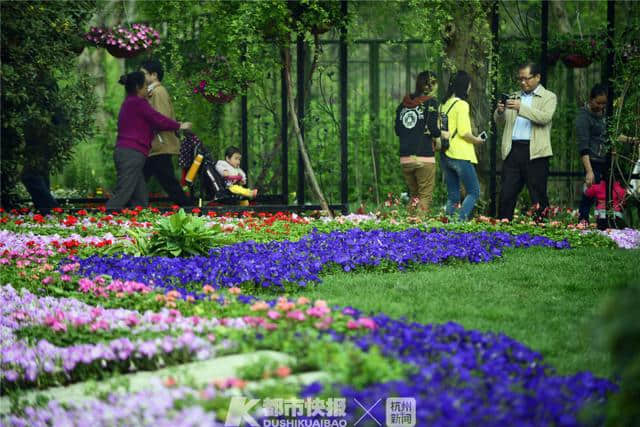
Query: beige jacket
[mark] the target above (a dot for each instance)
(165, 142)
(540, 113)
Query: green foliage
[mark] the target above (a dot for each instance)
(177, 235)
(620, 331)
(40, 41)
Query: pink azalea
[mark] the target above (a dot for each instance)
(352, 324)
(272, 314)
(296, 315)
(367, 323)
(132, 320)
(318, 311)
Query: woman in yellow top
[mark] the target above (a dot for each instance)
(458, 161)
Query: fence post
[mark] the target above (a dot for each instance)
(495, 26)
(608, 79)
(300, 93)
(344, 120)
(544, 39)
(407, 67)
(374, 110)
(284, 135)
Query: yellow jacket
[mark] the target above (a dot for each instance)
(165, 142)
(540, 114)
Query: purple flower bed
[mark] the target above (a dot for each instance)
(469, 377)
(301, 262)
(24, 364)
(153, 407)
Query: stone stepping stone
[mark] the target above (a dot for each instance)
(200, 373)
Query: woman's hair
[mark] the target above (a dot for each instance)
(132, 82)
(598, 89)
(459, 85)
(423, 82)
(231, 151)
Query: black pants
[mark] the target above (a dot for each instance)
(599, 172)
(38, 187)
(161, 167)
(517, 171)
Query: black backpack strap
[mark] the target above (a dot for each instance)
(455, 132)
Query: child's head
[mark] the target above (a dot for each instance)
(233, 156)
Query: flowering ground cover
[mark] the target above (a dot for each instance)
(368, 301)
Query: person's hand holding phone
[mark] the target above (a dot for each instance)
(502, 102)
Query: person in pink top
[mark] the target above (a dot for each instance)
(138, 123)
(598, 191)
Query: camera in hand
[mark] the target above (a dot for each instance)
(504, 97)
(483, 136)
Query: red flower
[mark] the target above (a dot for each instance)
(57, 210)
(211, 214)
(196, 210)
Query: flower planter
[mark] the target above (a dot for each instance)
(124, 41)
(219, 98)
(118, 52)
(576, 61)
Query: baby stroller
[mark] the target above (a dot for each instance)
(212, 186)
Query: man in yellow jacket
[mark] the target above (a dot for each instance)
(526, 141)
(165, 144)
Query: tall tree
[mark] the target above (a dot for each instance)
(40, 43)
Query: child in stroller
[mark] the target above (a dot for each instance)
(233, 175)
(212, 185)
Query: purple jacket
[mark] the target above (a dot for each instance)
(138, 123)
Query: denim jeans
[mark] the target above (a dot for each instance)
(457, 171)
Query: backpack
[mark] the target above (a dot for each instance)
(444, 120)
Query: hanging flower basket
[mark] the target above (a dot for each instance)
(577, 51)
(219, 97)
(218, 83)
(124, 41)
(576, 61)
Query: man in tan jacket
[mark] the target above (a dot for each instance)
(526, 141)
(165, 144)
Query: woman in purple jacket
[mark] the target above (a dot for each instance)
(138, 122)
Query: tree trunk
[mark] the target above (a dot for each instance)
(286, 53)
(466, 50)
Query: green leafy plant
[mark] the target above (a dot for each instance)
(177, 235)
(181, 234)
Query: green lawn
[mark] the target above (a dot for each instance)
(546, 299)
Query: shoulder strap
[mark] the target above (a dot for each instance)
(455, 132)
(451, 106)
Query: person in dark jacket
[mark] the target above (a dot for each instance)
(591, 133)
(417, 127)
(36, 167)
(137, 124)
